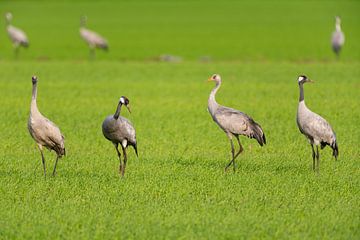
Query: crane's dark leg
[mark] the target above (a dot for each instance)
(125, 160)
(119, 156)
(317, 157)
(241, 148)
(56, 161)
(232, 152)
(43, 160)
(16, 50)
(92, 53)
(313, 156)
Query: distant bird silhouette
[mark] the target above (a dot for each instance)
(17, 36)
(315, 128)
(338, 38)
(93, 39)
(119, 130)
(233, 122)
(43, 131)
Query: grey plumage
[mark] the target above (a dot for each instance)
(93, 39)
(119, 130)
(338, 37)
(233, 122)
(316, 129)
(17, 36)
(43, 131)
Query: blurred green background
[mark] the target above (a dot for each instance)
(222, 30)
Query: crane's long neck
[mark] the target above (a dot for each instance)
(212, 104)
(8, 21)
(338, 26)
(83, 22)
(118, 109)
(34, 108)
(301, 97)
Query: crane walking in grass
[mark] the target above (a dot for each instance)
(338, 38)
(233, 122)
(43, 131)
(119, 130)
(93, 39)
(315, 128)
(17, 36)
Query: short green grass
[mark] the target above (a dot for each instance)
(177, 187)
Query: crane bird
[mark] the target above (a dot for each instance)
(119, 130)
(43, 131)
(17, 36)
(315, 128)
(93, 39)
(233, 122)
(338, 38)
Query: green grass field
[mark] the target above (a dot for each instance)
(177, 189)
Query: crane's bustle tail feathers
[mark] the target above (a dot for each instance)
(135, 148)
(259, 134)
(335, 148)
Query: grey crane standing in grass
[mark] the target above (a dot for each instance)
(17, 36)
(315, 128)
(233, 122)
(93, 39)
(338, 38)
(43, 131)
(119, 130)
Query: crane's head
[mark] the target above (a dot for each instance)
(8, 16)
(215, 77)
(125, 101)
(34, 79)
(303, 79)
(337, 19)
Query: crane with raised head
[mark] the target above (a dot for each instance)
(315, 128)
(43, 131)
(233, 122)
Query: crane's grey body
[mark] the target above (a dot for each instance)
(93, 39)
(16, 35)
(119, 130)
(316, 129)
(43, 131)
(233, 122)
(338, 37)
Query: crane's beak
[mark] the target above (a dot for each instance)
(210, 79)
(128, 107)
(310, 81)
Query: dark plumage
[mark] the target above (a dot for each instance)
(233, 122)
(119, 130)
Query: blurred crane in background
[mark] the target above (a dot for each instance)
(338, 38)
(93, 39)
(17, 36)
